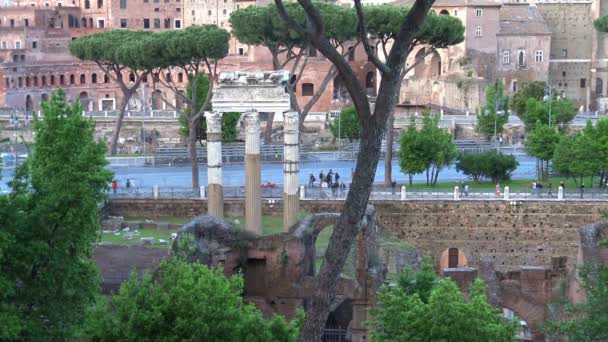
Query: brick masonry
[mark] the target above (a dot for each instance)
(527, 234)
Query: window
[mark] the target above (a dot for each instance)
(87, 4)
(22, 58)
(224, 11)
(43, 81)
(308, 89)
(94, 78)
(99, 3)
(521, 58)
(72, 81)
(26, 22)
(156, 23)
(156, 1)
(146, 1)
(563, 74)
(123, 23)
(123, 4)
(46, 4)
(564, 53)
(478, 31)
(61, 79)
(34, 45)
(506, 57)
(4, 45)
(514, 86)
(179, 9)
(478, 12)
(17, 44)
(52, 79)
(106, 78)
(83, 79)
(146, 23)
(157, 9)
(35, 81)
(167, 23)
(101, 23)
(27, 81)
(455, 12)
(209, 12)
(583, 82)
(178, 23)
(241, 52)
(180, 77)
(20, 81)
(312, 52)
(351, 54)
(539, 56)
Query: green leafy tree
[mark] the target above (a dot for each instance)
(346, 125)
(534, 90)
(49, 223)
(491, 165)
(495, 114)
(601, 24)
(185, 301)
(598, 140)
(541, 143)
(262, 26)
(575, 157)
(193, 51)
(562, 112)
(229, 120)
(411, 151)
(117, 53)
(438, 32)
(435, 310)
(439, 148)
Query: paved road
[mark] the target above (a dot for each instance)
(234, 175)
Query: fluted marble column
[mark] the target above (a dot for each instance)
(291, 161)
(215, 200)
(253, 200)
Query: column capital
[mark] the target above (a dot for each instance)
(252, 121)
(291, 122)
(214, 122)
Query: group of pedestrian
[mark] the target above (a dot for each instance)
(330, 180)
(128, 185)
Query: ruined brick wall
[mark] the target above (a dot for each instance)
(527, 234)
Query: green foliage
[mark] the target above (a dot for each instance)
(186, 301)
(534, 90)
(262, 25)
(489, 119)
(49, 222)
(403, 313)
(588, 321)
(491, 165)
(346, 125)
(431, 149)
(575, 156)
(438, 31)
(601, 24)
(537, 111)
(541, 142)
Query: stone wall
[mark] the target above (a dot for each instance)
(527, 234)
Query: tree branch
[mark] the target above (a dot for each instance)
(369, 50)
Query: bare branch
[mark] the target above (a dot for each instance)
(369, 50)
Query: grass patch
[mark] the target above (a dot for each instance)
(514, 183)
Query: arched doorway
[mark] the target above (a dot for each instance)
(84, 100)
(44, 98)
(179, 100)
(419, 68)
(370, 83)
(157, 100)
(444, 12)
(29, 104)
(451, 258)
(435, 64)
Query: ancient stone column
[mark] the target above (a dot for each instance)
(215, 198)
(291, 160)
(253, 200)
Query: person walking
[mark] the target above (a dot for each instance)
(582, 189)
(539, 189)
(321, 177)
(337, 177)
(311, 181)
(128, 185)
(329, 177)
(334, 188)
(466, 189)
(550, 190)
(114, 186)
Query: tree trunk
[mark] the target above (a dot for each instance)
(411, 176)
(122, 107)
(345, 232)
(192, 152)
(388, 161)
(268, 130)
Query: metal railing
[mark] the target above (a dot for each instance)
(378, 193)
